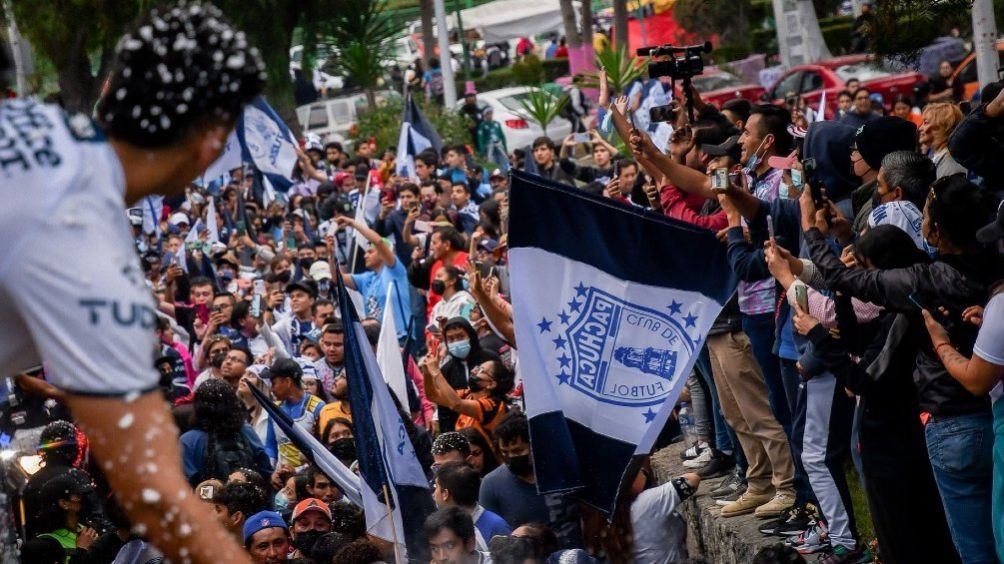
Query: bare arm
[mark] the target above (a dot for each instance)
(151, 486)
(442, 393)
(976, 375)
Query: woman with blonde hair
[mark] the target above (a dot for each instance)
(939, 120)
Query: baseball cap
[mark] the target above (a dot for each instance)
(729, 148)
(488, 244)
(307, 286)
(320, 270)
(497, 173)
(286, 368)
(178, 218)
(993, 230)
(311, 504)
(72, 482)
(261, 521)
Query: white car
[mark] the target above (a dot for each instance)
(517, 126)
(332, 119)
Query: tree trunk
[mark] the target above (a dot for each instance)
(621, 24)
(568, 19)
(371, 100)
(985, 41)
(428, 39)
(587, 22)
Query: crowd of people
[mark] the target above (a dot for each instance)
(867, 325)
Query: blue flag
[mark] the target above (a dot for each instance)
(390, 470)
(267, 143)
(417, 135)
(612, 305)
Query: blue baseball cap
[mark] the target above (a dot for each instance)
(261, 521)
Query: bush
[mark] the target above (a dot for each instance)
(726, 53)
(528, 71)
(384, 123)
(837, 36)
(554, 69)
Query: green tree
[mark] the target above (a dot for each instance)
(542, 107)
(903, 27)
(359, 34)
(78, 37)
(729, 19)
(622, 69)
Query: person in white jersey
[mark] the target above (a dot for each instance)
(72, 292)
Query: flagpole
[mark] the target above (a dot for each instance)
(393, 528)
(362, 202)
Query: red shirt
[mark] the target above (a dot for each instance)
(685, 207)
(459, 261)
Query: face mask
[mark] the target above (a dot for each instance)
(876, 199)
(796, 179)
(217, 360)
(281, 503)
(754, 159)
(285, 277)
(519, 465)
(474, 383)
(343, 449)
(782, 190)
(460, 349)
(306, 262)
(438, 287)
(304, 542)
(226, 275)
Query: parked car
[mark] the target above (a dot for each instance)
(966, 71)
(831, 76)
(717, 87)
(332, 119)
(518, 128)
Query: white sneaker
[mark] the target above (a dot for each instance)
(694, 451)
(701, 460)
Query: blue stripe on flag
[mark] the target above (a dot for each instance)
(595, 233)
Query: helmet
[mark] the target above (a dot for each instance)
(60, 441)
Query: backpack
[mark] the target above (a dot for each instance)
(224, 455)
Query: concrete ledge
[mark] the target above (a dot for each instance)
(722, 541)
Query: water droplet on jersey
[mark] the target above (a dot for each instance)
(126, 421)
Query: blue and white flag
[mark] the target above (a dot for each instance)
(612, 304)
(262, 139)
(386, 457)
(153, 208)
(417, 135)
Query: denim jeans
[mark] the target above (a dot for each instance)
(723, 440)
(961, 452)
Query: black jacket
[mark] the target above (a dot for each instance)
(953, 282)
(456, 370)
(977, 144)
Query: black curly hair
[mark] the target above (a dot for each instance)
(177, 69)
(218, 411)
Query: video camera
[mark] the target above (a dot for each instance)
(683, 63)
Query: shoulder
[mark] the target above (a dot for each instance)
(314, 403)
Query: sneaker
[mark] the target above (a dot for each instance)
(815, 539)
(798, 521)
(734, 483)
(773, 508)
(746, 504)
(700, 460)
(843, 555)
(732, 497)
(694, 451)
(771, 527)
(719, 465)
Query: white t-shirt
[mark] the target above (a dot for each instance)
(72, 291)
(660, 533)
(990, 340)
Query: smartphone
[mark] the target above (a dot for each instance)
(802, 297)
(324, 287)
(617, 169)
(581, 138)
(796, 179)
(720, 179)
(291, 243)
(259, 291)
(207, 492)
(387, 195)
(770, 227)
(809, 172)
(241, 229)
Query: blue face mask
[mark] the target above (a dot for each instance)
(281, 503)
(460, 349)
(796, 179)
(754, 159)
(782, 190)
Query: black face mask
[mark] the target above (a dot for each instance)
(304, 542)
(284, 277)
(474, 383)
(217, 360)
(343, 449)
(438, 287)
(306, 262)
(519, 465)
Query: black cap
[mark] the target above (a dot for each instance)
(993, 230)
(286, 368)
(729, 148)
(307, 286)
(62, 486)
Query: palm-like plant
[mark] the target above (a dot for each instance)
(621, 69)
(359, 34)
(542, 107)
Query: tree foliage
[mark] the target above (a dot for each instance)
(542, 107)
(384, 123)
(903, 27)
(359, 35)
(622, 69)
(728, 19)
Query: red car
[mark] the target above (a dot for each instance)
(717, 87)
(831, 76)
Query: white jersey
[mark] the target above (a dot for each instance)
(72, 292)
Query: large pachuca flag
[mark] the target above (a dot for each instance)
(395, 491)
(262, 139)
(612, 304)
(417, 135)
